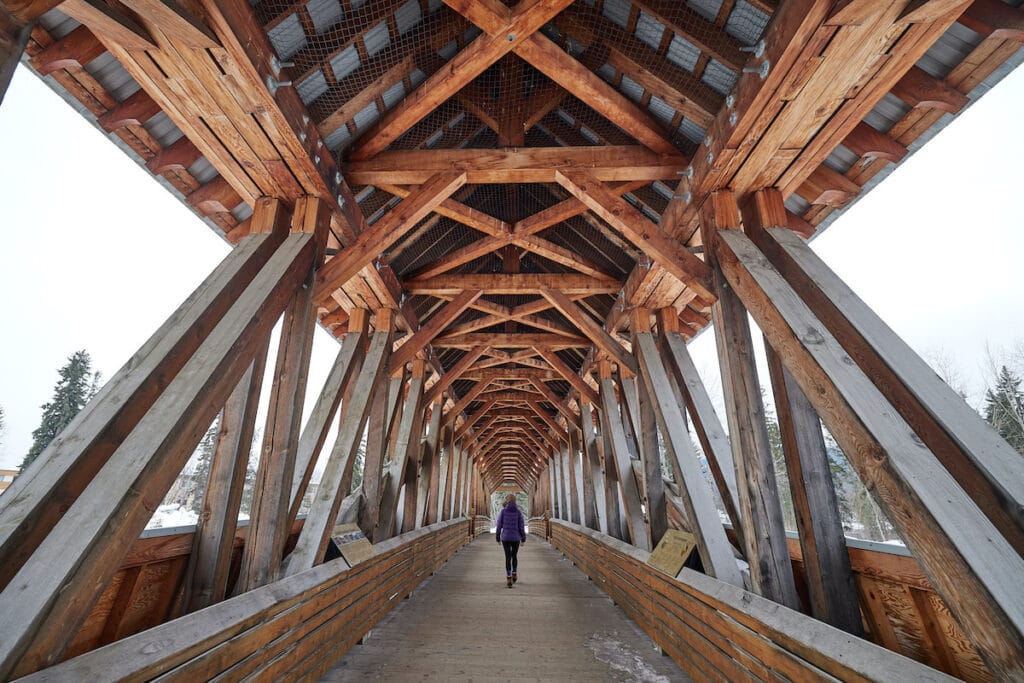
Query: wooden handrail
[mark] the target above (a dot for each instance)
(276, 630)
(715, 630)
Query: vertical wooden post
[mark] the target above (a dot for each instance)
(978, 458)
(975, 570)
(826, 561)
(46, 602)
(316, 531)
(314, 434)
(409, 430)
(552, 488)
(571, 461)
(764, 534)
(709, 430)
(593, 477)
(712, 544)
(37, 499)
(646, 430)
(634, 515)
(449, 480)
(213, 543)
(429, 466)
(384, 418)
(432, 513)
(563, 498)
(269, 520)
(612, 519)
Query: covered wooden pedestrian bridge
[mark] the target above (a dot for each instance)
(513, 218)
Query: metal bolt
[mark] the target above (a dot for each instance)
(707, 140)
(730, 101)
(305, 120)
(686, 196)
(688, 173)
(302, 135)
(761, 70)
(316, 158)
(710, 158)
(511, 37)
(273, 84)
(337, 178)
(757, 49)
(733, 118)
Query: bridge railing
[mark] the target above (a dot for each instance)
(717, 631)
(295, 628)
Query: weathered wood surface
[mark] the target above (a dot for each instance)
(298, 622)
(974, 569)
(55, 589)
(457, 625)
(721, 632)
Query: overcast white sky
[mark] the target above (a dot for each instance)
(94, 254)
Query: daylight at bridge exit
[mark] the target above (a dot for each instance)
(511, 340)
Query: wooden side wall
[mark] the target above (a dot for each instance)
(720, 632)
(249, 635)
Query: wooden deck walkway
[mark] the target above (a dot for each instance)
(464, 624)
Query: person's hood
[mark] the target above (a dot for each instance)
(511, 505)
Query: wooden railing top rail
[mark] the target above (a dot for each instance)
(823, 650)
(161, 649)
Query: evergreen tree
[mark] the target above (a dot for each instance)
(1004, 408)
(76, 386)
(250, 475)
(204, 457)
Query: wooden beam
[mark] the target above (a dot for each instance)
(318, 424)
(826, 561)
(706, 423)
(982, 462)
(638, 229)
(316, 531)
(213, 545)
(589, 327)
(440, 320)
(973, 568)
(578, 383)
(37, 499)
(620, 457)
(384, 233)
(454, 373)
(593, 476)
(385, 413)
(510, 283)
(410, 429)
(484, 51)
(515, 165)
(43, 605)
(715, 552)
(764, 534)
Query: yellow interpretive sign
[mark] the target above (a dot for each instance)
(673, 549)
(352, 543)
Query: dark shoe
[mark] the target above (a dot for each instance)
(514, 577)
(510, 582)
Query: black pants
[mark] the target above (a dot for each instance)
(511, 555)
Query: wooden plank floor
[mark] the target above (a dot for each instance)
(464, 624)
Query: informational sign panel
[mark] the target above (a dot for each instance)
(673, 549)
(352, 543)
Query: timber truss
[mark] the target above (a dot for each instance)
(513, 219)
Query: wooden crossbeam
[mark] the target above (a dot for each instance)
(528, 165)
(511, 340)
(432, 328)
(589, 327)
(510, 283)
(454, 373)
(638, 229)
(384, 233)
(578, 383)
(516, 27)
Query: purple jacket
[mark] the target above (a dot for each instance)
(511, 526)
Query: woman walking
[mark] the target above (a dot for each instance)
(510, 532)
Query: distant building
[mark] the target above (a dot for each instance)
(6, 477)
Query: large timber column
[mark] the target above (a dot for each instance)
(335, 481)
(973, 566)
(429, 465)
(164, 399)
(764, 534)
(269, 524)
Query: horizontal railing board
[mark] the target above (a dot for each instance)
(171, 646)
(797, 645)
